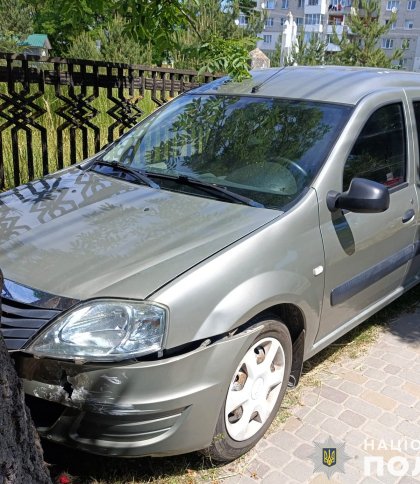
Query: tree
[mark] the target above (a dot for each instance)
(111, 42)
(146, 21)
(231, 56)
(16, 23)
(310, 53)
(20, 451)
(359, 45)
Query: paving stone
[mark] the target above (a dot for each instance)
(274, 456)
(395, 381)
(315, 417)
(307, 432)
(375, 374)
(310, 398)
(392, 369)
(355, 437)
(328, 407)
(412, 388)
(378, 400)
(354, 377)
(374, 362)
(399, 395)
(379, 431)
(352, 418)
(389, 419)
(335, 427)
(304, 451)
(285, 440)
(362, 407)
(292, 424)
(351, 388)
(410, 413)
(413, 376)
(299, 470)
(374, 385)
(257, 468)
(300, 412)
(409, 429)
(276, 477)
(332, 394)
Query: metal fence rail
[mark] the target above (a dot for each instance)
(54, 112)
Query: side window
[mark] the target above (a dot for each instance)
(379, 153)
(416, 106)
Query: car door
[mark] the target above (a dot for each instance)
(367, 254)
(413, 273)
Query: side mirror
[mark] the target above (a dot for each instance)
(363, 196)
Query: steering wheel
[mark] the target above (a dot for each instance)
(272, 176)
(299, 168)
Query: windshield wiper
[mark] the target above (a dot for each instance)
(221, 192)
(137, 175)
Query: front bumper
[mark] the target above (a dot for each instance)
(150, 408)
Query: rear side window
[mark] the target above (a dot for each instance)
(416, 106)
(379, 153)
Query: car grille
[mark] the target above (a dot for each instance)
(21, 321)
(25, 311)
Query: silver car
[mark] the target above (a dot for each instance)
(161, 296)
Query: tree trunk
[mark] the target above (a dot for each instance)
(21, 458)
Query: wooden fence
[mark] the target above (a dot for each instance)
(55, 112)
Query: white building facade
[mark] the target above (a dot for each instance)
(323, 16)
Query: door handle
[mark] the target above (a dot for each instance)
(408, 216)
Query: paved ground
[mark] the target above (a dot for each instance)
(370, 404)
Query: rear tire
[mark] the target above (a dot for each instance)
(255, 393)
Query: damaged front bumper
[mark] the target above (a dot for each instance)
(148, 408)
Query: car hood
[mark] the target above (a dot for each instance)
(81, 234)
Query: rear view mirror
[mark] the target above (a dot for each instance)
(363, 196)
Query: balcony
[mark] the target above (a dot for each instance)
(315, 6)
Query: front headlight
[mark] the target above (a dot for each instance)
(104, 330)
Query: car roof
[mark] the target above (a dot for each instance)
(337, 84)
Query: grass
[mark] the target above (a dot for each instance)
(195, 468)
(51, 120)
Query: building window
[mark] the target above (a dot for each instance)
(313, 19)
(301, 3)
(267, 39)
(405, 43)
(392, 4)
(270, 4)
(411, 5)
(299, 21)
(387, 43)
(312, 3)
(393, 26)
(269, 22)
(408, 24)
(243, 21)
(284, 4)
(282, 20)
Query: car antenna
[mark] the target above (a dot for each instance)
(258, 86)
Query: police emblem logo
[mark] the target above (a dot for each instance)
(329, 456)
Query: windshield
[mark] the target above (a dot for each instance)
(267, 149)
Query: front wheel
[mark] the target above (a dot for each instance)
(255, 393)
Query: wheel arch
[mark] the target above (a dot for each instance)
(294, 319)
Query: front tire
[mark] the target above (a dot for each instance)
(255, 393)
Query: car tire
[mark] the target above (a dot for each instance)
(255, 393)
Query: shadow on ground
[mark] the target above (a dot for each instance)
(85, 468)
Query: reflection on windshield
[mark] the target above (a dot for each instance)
(267, 149)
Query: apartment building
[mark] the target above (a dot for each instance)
(322, 16)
